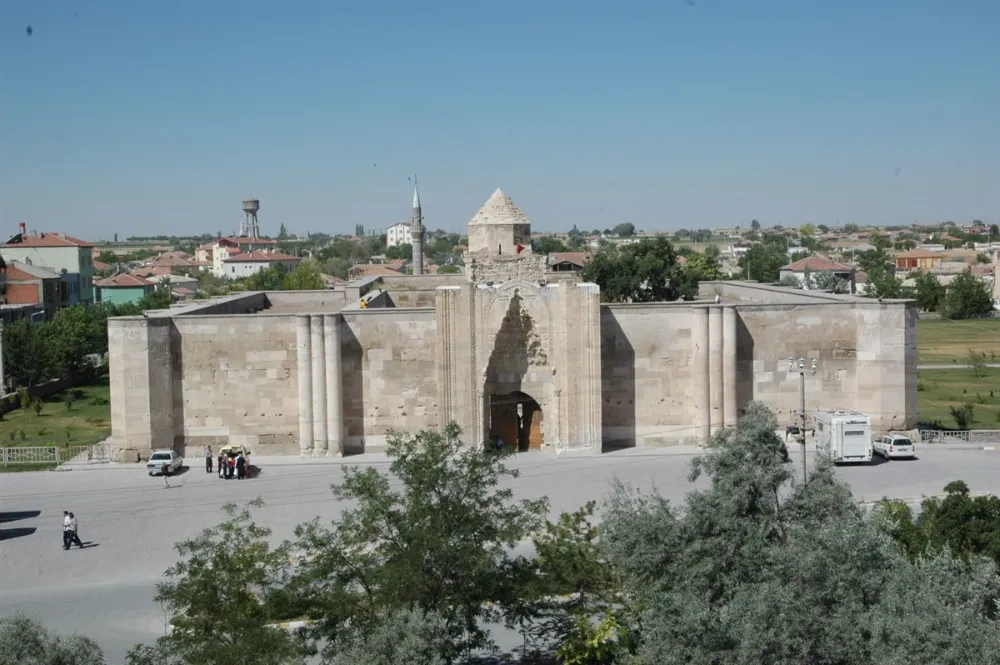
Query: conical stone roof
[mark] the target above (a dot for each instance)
(499, 210)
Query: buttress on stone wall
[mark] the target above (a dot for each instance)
(329, 382)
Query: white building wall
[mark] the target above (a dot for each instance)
(398, 234)
(241, 269)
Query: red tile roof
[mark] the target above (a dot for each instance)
(123, 280)
(816, 264)
(46, 239)
(258, 255)
(100, 265)
(19, 272)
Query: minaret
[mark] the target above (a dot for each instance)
(417, 232)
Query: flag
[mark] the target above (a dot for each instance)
(520, 248)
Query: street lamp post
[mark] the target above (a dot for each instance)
(801, 367)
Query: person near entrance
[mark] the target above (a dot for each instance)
(208, 459)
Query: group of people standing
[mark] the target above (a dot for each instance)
(230, 466)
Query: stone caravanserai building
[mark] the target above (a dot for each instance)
(508, 349)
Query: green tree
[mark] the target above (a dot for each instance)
(223, 598)
(437, 537)
(25, 641)
(967, 526)
(624, 230)
(703, 266)
(28, 357)
(828, 281)
(305, 277)
(282, 232)
(967, 296)
(400, 251)
(754, 225)
(268, 279)
(337, 267)
(763, 262)
(645, 271)
(395, 637)
(548, 245)
(928, 291)
(751, 571)
(76, 332)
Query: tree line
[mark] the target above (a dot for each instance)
(754, 567)
(37, 352)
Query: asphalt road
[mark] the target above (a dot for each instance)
(131, 522)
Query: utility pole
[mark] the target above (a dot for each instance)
(802, 405)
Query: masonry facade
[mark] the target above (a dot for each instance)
(506, 350)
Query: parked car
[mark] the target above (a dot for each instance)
(894, 446)
(160, 457)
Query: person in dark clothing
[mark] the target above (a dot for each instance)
(222, 465)
(74, 537)
(208, 459)
(241, 464)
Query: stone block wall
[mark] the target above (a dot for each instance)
(647, 374)
(389, 364)
(235, 381)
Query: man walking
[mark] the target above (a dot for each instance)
(165, 471)
(73, 526)
(208, 459)
(67, 533)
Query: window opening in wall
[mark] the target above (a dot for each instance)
(499, 249)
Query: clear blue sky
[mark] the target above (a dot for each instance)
(153, 117)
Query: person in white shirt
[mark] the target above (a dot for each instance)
(67, 530)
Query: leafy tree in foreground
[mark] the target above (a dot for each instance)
(24, 641)
(437, 535)
(748, 572)
(968, 526)
(222, 599)
(405, 636)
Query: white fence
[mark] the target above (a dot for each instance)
(971, 436)
(92, 454)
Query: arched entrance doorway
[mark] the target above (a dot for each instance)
(517, 419)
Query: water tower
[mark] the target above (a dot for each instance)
(251, 229)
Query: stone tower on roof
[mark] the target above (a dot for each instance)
(500, 245)
(499, 229)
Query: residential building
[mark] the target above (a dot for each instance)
(62, 254)
(398, 234)
(214, 254)
(122, 289)
(815, 265)
(246, 264)
(568, 261)
(33, 285)
(918, 259)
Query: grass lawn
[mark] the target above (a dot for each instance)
(86, 421)
(940, 389)
(944, 341)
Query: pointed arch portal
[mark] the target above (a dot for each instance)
(517, 419)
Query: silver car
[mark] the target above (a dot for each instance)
(160, 457)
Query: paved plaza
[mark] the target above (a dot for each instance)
(106, 590)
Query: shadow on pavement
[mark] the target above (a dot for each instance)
(7, 534)
(14, 516)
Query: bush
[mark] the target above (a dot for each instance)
(964, 415)
(37, 406)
